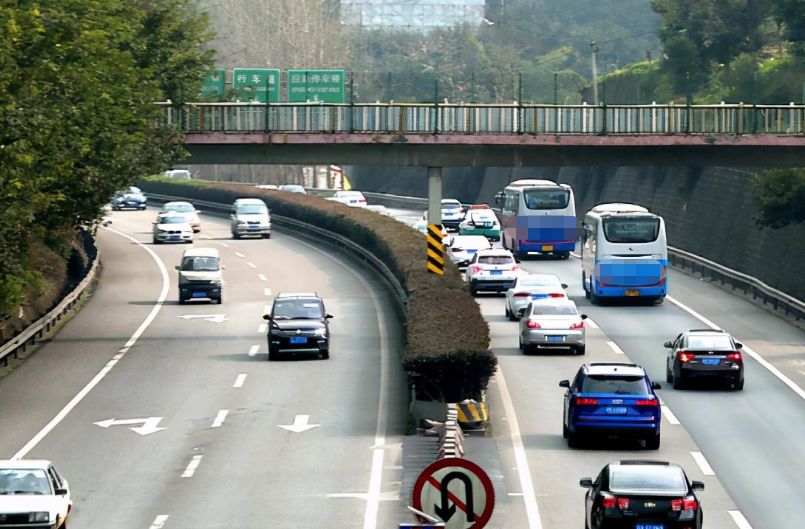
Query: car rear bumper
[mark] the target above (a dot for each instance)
(622, 428)
(451, 224)
(632, 522)
(245, 230)
(541, 338)
(497, 285)
(701, 371)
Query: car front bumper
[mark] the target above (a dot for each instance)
(313, 345)
(253, 230)
(192, 291)
(173, 237)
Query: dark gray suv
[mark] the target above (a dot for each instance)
(298, 324)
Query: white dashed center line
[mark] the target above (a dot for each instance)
(252, 265)
(615, 348)
(240, 255)
(262, 277)
(225, 245)
(192, 466)
(239, 381)
(261, 329)
(219, 419)
(159, 521)
(253, 350)
(703, 464)
(740, 520)
(669, 415)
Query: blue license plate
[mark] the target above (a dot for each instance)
(254, 227)
(199, 294)
(298, 339)
(496, 272)
(539, 296)
(556, 338)
(174, 237)
(472, 252)
(649, 526)
(711, 361)
(616, 410)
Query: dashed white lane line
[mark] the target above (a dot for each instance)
(267, 291)
(219, 419)
(262, 277)
(591, 323)
(205, 236)
(759, 359)
(669, 415)
(253, 350)
(240, 255)
(615, 348)
(159, 521)
(163, 294)
(251, 264)
(192, 466)
(707, 470)
(261, 329)
(801, 372)
(239, 381)
(225, 245)
(740, 520)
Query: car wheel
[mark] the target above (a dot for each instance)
(668, 376)
(580, 349)
(508, 312)
(738, 385)
(658, 300)
(271, 354)
(653, 442)
(573, 439)
(156, 241)
(182, 301)
(564, 431)
(473, 292)
(597, 518)
(520, 343)
(325, 354)
(219, 299)
(235, 235)
(678, 382)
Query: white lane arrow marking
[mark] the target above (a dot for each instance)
(299, 424)
(149, 425)
(214, 318)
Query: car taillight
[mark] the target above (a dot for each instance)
(684, 356)
(623, 503)
(735, 357)
(556, 295)
(531, 324)
(577, 325)
(609, 501)
(476, 268)
(586, 401)
(684, 504)
(647, 402)
(522, 295)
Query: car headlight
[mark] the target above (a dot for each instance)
(216, 282)
(39, 516)
(163, 231)
(322, 332)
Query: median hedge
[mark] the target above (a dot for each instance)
(447, 339)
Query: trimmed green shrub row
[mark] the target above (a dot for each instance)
(447, 339)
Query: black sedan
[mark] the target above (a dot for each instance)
(638, 494)
(298, 325)
(704, 354)
(131, 199)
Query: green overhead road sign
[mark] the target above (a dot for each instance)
(251, 84)
(214, 85)
(316, 85)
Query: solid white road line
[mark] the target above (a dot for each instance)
(261, 329)
(707, 470)
(192, 466)
(219, 419)
(159, 521)
(740, 520)
(239, 381)
(240, 255)
(669, 415)
(615, 348)
(262, 277)
(253, 350)
(591, 323)
(526, 483)
(115, 359)
(759, 359)
(251, 264)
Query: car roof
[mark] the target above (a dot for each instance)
(450, 201)
(201, 252)
(470, 238)
(495, 252)
(176, 202)
(613, 368)
(286, 295)
(643, 462)
(707, 331)
(24, 463)
(249, 201)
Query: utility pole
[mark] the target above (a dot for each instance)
(594, 47)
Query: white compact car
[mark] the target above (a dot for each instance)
(189, 210)
(250, 217)
(33, 494)
(492, 270)
(452, 214)
(552, 324)
(531, 287)
(353, 199)
(463, 247)
(172, 227)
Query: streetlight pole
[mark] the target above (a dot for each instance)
(594, 47)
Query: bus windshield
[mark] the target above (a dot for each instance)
(546, 198)
(632, 230)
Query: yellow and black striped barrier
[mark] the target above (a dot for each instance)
(435, 249)
(472, 414)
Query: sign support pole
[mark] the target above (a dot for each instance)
(434, 195)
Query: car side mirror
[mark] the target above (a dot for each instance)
(668, 345)
(584, 316)
(656, 385)
(739, 345)
(63, 492)
(697, 485)
(586, 483)
(176, 267)
(564, 383)
(564, 285)
(267, 317)
(328, 316)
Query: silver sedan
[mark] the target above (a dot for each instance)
(532, 287)
(552, 324)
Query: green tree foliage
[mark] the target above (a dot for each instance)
(78, 79)
(791, 15)
(781, 197)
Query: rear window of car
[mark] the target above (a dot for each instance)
(632, 230)
(624, 478)
(711, 343)
(496, 259)
(553, 309)
(622, 385)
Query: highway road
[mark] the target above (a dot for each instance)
(199, 372)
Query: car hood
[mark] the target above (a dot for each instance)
(29, 503)
(286, 325)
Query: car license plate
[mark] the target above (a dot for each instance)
(711, 361)
(649, 526)
(199, 294)
(632, 293)
(497, 272)
(254, 227)
(616, 410)
(547, 247)
(539, 296)
(298, 339)
(472, 252)
(556, 338)
(174, 237)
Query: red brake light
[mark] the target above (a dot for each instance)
(736, 356)
(556, 295)
(623, 503)
(584, 401)
(608, 501)
(684, 356)
(476, 268)
(647, 402)
(531, 324)
(522, 295)
(578, 325)
(684, 504)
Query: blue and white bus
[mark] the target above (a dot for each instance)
(538, 216)
(624, 253)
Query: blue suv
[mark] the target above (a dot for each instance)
(611, 399)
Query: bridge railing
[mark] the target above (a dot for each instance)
(725, 119)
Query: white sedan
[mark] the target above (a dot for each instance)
(189, 210)
(33, 494)
(530, 287)
(172, 227)
(353, 199)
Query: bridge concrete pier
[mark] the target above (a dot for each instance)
(434, 195)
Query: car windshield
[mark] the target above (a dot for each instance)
(648, 478)
(622, 385)
(296, 309)
(495, 259)
(251, 209)
(632, 230)
(171, 219)
(547, 198)
(179, 207)
(200, 264)
(553, 309)
(531, 281)
(712, 343)
(24, 481)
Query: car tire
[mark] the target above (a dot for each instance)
(738, 385)
(678, 382)
(508, 313)
(669, 377)
(473, 292)
(658, 300)
(220, 299)
(597, 518)
(235, 235)
(182, 301)
(325, 354)
(564, 431)
(271, 354)
(156, 241)
(573, 439)
(580, 349)
(653, 442)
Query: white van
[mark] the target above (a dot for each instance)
(250, 217)
(181, 174)
(200, 275)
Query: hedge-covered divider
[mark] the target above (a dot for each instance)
(446, 338)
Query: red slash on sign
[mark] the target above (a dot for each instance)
(458, 492)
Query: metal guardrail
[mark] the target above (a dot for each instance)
(37, 330)
(342, 242)
(509, 118)
(779, 300)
